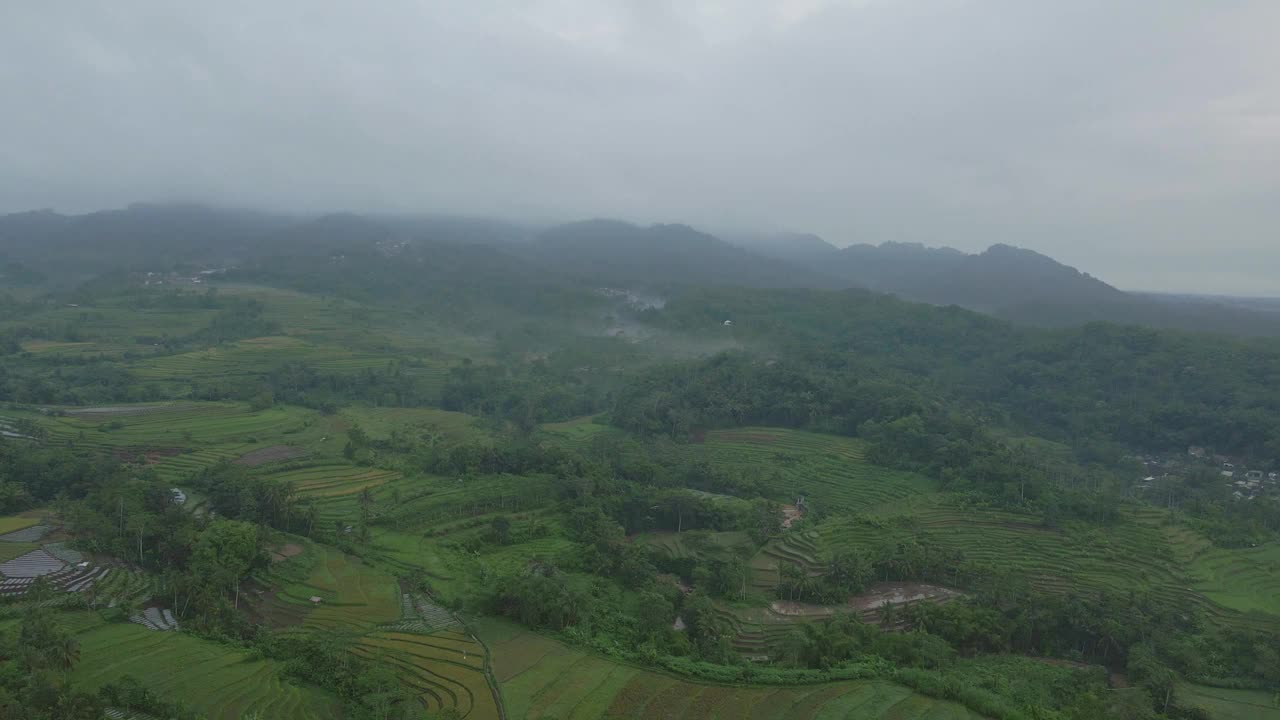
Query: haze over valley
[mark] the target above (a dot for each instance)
(775, 359)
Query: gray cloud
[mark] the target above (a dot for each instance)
(1137, 140)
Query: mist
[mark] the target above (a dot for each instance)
(1137, 140)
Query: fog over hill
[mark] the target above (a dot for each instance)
(1004, 281)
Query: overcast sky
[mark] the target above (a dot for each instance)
(1138, 140)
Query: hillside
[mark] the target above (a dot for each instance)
(52, 251)
(614, 252)
(417, 474)
(1010, 283)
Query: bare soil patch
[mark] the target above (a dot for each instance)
(286, 551)
(790, 514)
(275, 453)
(868, 604)
(900, 593)
(799, 609)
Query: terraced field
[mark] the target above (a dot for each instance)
(72, 349)
(116, 326)
(1246, 579)
(351, 334)
(218, 680)
(177, 423)
(792, 548)
(354, 596)
(578, 433)
(13, 523)
(161, 435)
(441, 425)
(444, 669)
(1230, 704)
(827, 470)
(323, 479)
(1242, 579)
(1134, 555)
(451, 571)
(541, 678)
(693, 544)
(11, 550)
(253, 357)
(335, 486)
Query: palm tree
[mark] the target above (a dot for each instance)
(312, 514)
(66, 653)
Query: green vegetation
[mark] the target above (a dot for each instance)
(542, 678)
(424, 481)
(1223, 704)
(217, 680)
(353, 596)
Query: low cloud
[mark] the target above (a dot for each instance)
(1137, 140)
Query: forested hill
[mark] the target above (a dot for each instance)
(46, 249)
(620, 253)
(1089, 387)
(1008, 282)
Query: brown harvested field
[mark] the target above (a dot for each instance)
(275, 453)
(286, 551)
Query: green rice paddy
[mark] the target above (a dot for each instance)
(829, 471)
(354, 596)
(218, 680)
(542, 678)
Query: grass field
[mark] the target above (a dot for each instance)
(828, 470)
(253, 357)
(1246, 579)
(1133, 555)
(541, 678)
(355, 596)
(578, 433)
(180, 438)
(220, 681)
(10, 523)
(441, 425)
(1230, 704)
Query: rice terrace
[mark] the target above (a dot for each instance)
(350, 467)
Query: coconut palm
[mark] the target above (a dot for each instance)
(66, 652)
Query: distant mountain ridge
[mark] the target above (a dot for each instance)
(664, 255)
(1012, 283)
